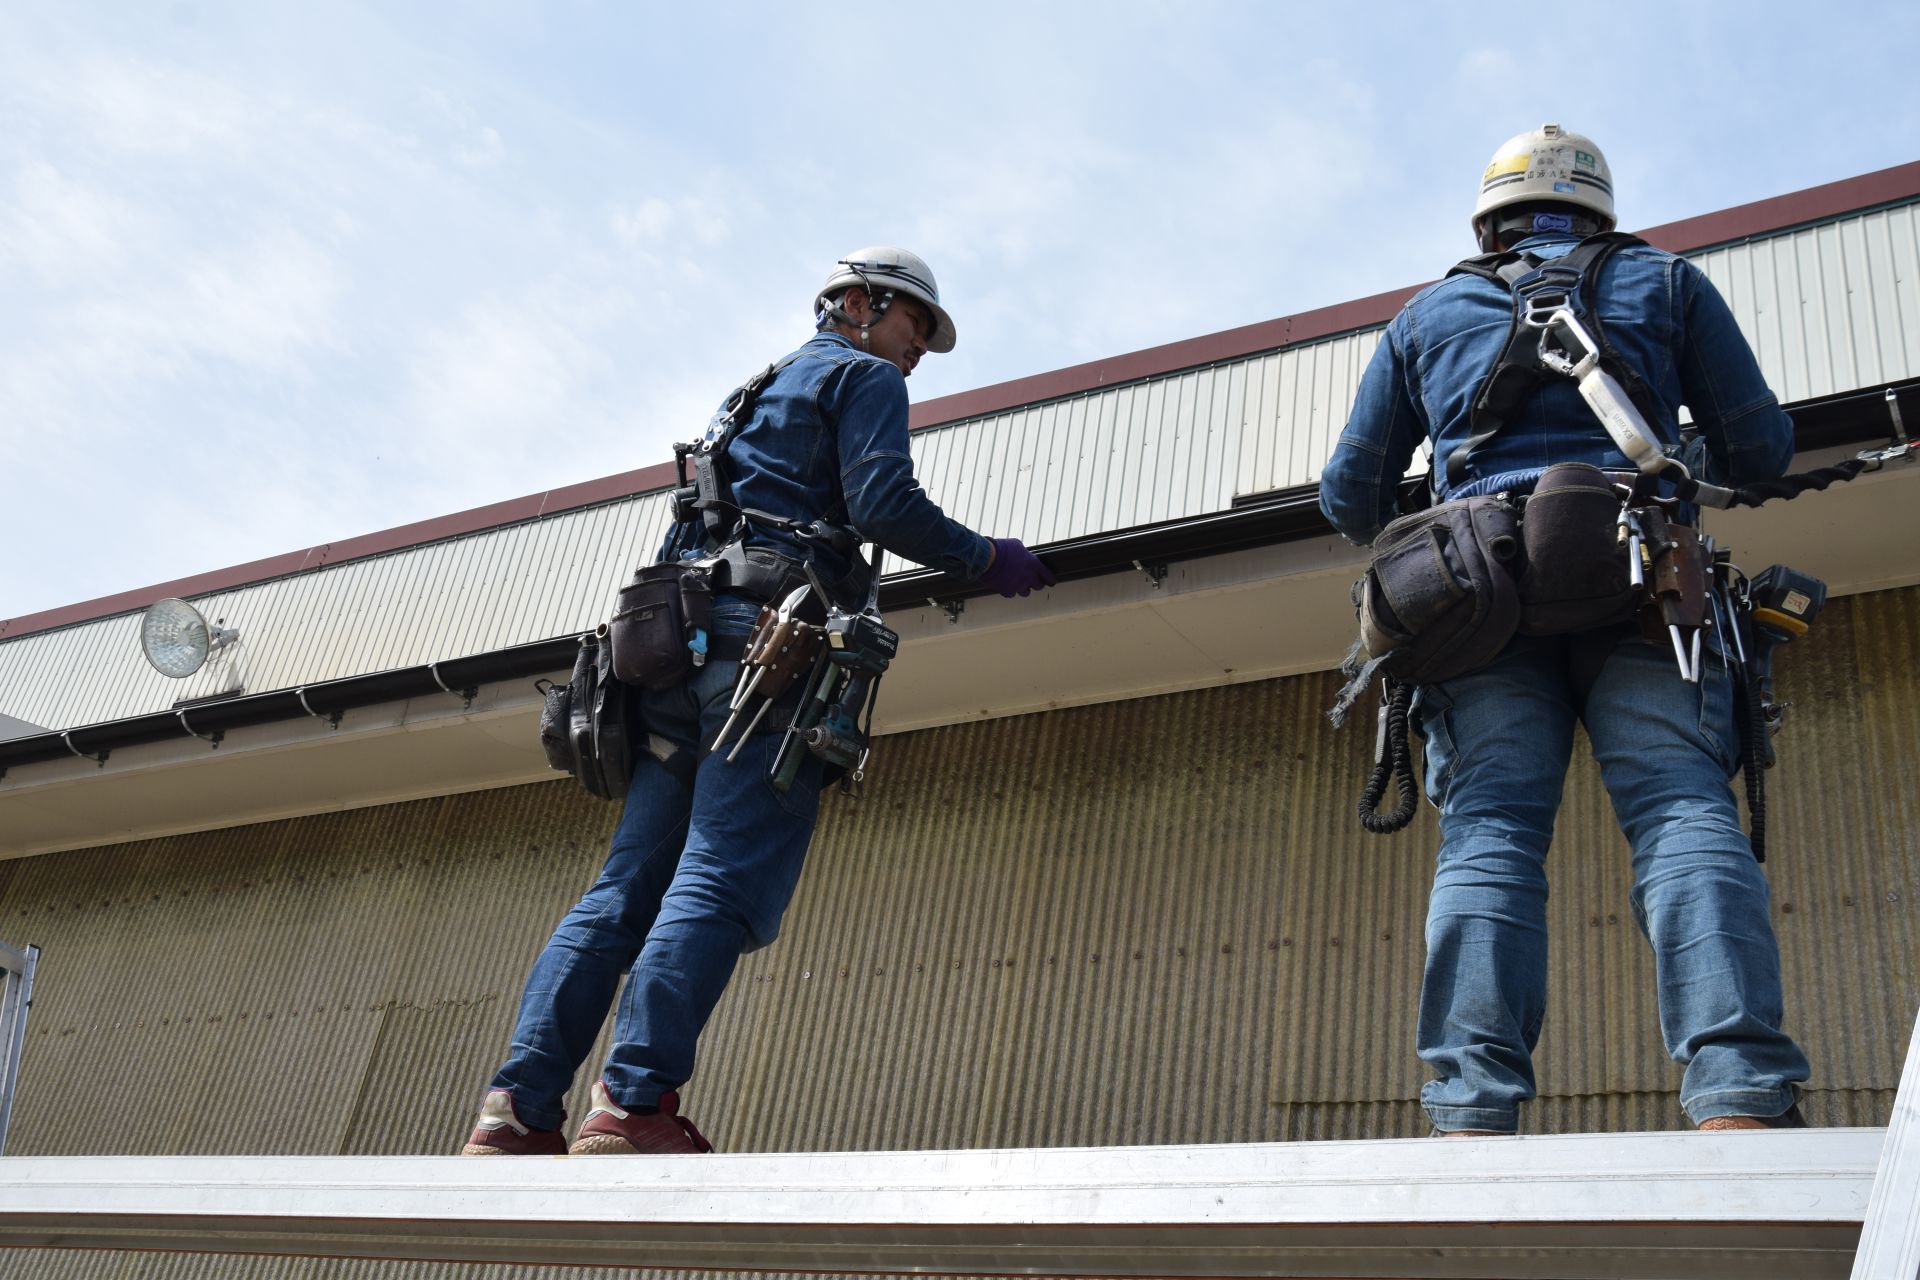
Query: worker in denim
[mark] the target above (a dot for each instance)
(707, 853)
(1498, 740)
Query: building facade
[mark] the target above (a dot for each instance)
(1105, 884)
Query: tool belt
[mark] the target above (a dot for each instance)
(1449, 587)
(660, 632)
(765, 576)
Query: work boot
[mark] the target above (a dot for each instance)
(1788, 1119)
(500, 1132)
(613, 1130)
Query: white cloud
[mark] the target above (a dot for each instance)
(61, 229)
(141, 107)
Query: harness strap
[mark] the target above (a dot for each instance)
(1539, 285)
(722, 522)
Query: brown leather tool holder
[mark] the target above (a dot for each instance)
(1675, 566)
(786, 649)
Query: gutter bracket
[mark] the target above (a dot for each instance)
(332, 717)
(1156, 573)
(66, 737)
(953, 609)
(213, 738)
(467, 694)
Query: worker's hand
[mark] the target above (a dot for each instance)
(1014, 570)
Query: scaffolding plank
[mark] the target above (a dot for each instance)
(1787, 1203)
(16, 998)
(1890, 1238)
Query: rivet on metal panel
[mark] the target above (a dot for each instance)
(1286, 942)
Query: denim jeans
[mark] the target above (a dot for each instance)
(702, 867)
(1497, 747)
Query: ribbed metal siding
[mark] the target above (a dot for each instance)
(507, 586)
(1829, 308)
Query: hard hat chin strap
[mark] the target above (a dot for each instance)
(878, 299)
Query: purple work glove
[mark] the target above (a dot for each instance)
(1015, 570)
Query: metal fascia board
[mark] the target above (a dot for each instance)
(1648, 1204)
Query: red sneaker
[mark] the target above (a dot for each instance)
(612, 1130)
(500, 1132)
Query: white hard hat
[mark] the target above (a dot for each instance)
(1547, 164)
(883, 270)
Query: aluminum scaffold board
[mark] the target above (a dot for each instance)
(1890, 1238)
(1696, 1205)
(16, 997)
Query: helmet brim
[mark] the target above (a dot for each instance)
(943, 333)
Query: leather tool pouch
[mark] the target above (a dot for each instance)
(1441, 596)
(1577, 576)
(657, 619)
(1677, 585)
(586, 724)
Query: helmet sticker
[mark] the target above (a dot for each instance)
(1584, 160)
(1507, 164)
(1567, 187)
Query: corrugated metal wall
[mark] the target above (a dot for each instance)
(1829, 308)
(1140, 922)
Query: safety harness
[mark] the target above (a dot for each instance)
(713, 527)
(1540, 287)
(1688, 584)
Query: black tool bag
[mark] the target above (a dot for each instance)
(1577, 577)
(587, 727)
(657, 620)
(1441, 596)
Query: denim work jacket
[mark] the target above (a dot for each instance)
(1660, 313)
(828, 440)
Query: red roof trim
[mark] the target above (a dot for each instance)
(1902, 182)
(1762, 216)
(567, 498)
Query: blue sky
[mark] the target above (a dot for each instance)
(282, 274)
